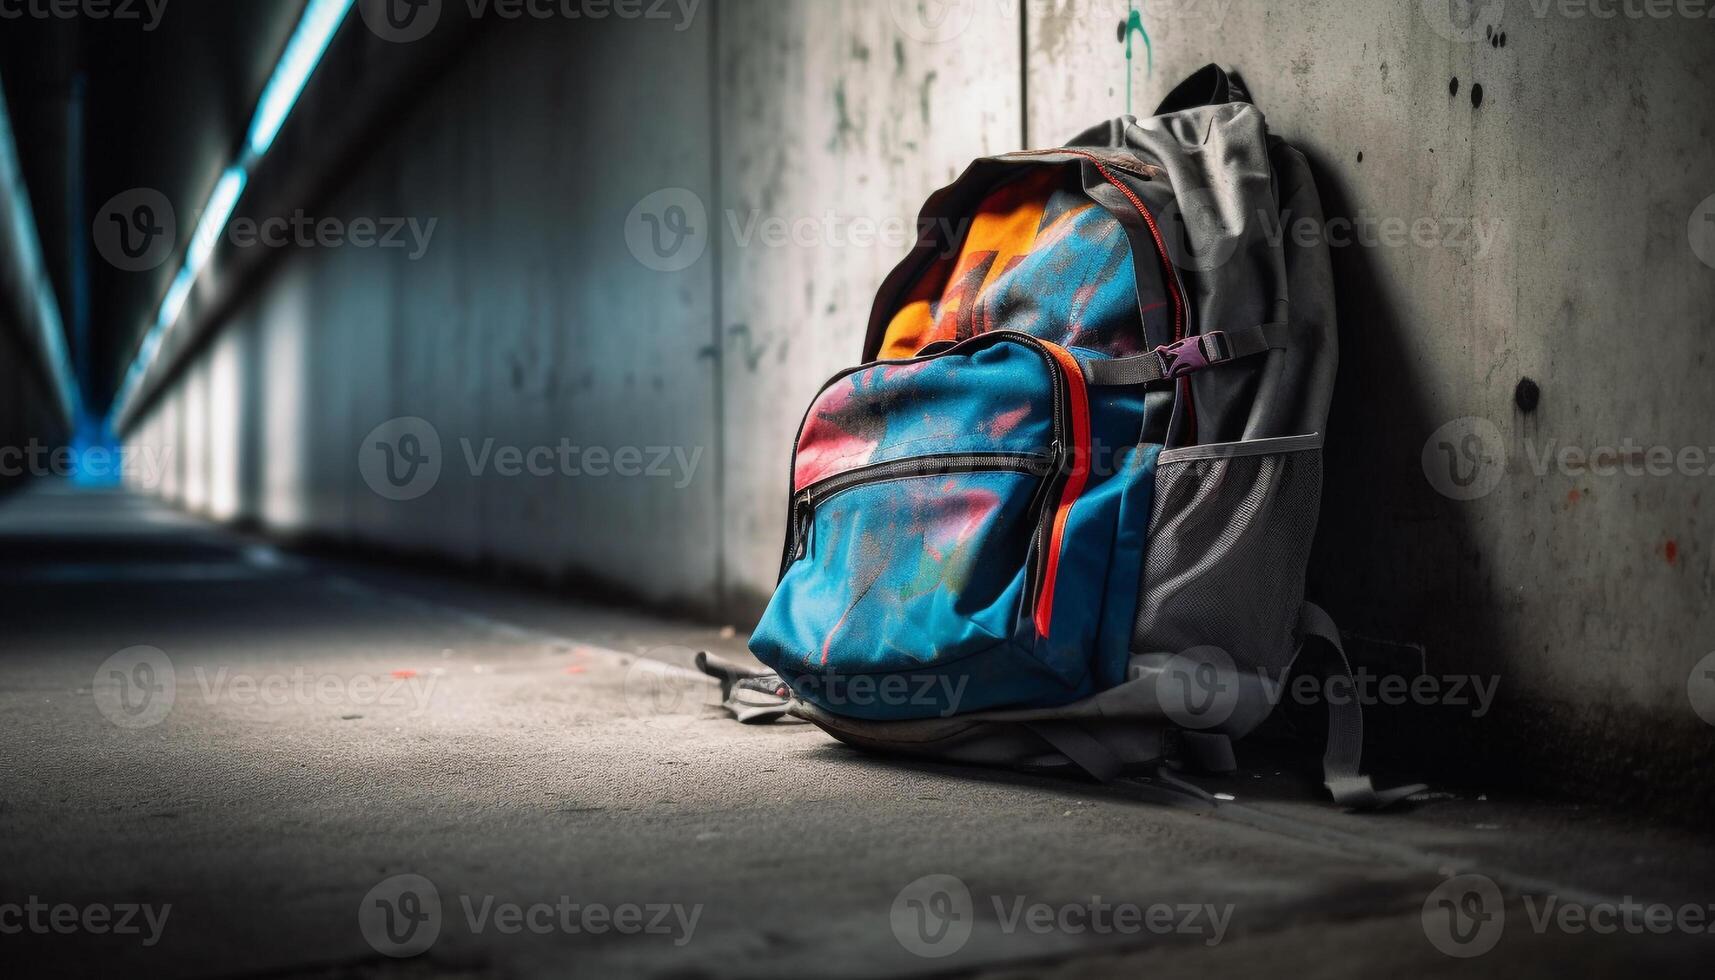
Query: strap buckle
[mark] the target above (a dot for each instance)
(1192, 354)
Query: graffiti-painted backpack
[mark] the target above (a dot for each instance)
(1061, 512)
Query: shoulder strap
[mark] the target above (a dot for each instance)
(1342, 763)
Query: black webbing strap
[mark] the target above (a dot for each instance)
(1186, 356)
(1080, 747)
(1342, 763)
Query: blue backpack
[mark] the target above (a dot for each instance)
(1060, 514)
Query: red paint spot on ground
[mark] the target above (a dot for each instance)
(1670, 551)
(576, 669)
(405, 674)
(1573, 496)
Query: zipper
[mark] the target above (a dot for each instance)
(804, 504)
(790, 551)
(1169, 277)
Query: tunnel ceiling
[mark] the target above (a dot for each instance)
(164, 105)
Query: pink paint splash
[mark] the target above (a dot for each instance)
(405, 674)
(1005, 422)
(576, 669)
(824, 448)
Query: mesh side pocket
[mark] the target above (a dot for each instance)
(1229, 541)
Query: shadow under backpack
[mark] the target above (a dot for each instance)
(1060, 514)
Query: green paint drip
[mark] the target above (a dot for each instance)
(1134, 26)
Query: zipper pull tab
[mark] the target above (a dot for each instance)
(802, 514)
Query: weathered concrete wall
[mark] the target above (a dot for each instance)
(836, 123)
(1584, 164)
(30, 424)
(521, 321)
(1557, 243)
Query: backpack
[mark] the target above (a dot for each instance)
(1060, 513)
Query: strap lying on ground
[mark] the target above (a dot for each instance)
(1083, 749)
(1186, 356)
(1342, 763)
(755, 697)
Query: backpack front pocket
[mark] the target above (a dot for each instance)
(929, 508)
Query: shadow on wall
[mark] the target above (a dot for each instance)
(1405, 572)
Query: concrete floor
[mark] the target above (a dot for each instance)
(333, 725)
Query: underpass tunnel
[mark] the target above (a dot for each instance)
(462, 347)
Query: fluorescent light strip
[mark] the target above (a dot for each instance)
(214, 217)
(26, 246)
(315, 31)
(303, 52)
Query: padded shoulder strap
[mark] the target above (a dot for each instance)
(1342, 763)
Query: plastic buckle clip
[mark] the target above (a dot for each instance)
(1183, 357)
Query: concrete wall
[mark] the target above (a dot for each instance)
(531, 317)
(31, 424)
